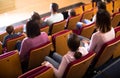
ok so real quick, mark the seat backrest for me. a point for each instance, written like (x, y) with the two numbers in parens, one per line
(39, 72)
(10, 65)
(87, 15)
(1, 49)
(117, 31)
(109, 7)
(78, 68)
(78, 10)
(19, 29)
(116, 5)
(117, 50)
(11, 43)
(59, 26)
(72, 21)
(2, 35)
(87, 30)
(60, 41)
(106, 52)
(45, 29)
(88, 6)
(38, 54)
(116, 19)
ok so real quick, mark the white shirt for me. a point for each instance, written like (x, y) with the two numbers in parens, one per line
(54, 18)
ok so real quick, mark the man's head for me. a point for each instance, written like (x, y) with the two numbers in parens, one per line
(54, 7)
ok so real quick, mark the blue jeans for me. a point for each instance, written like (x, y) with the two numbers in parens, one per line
(55, 60)
(85, 21)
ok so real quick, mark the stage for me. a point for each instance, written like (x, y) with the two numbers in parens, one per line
(24, 8)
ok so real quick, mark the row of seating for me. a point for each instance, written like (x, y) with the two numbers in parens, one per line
(112, 7)
(108, 50)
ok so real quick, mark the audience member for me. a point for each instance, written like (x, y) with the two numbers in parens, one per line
(34, 38)
(11, 34)
(100, 5)
(36, 17)
(59, 63)
(105, 32)
(55, 16)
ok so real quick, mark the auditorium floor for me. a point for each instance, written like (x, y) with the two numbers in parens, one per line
(24, 8)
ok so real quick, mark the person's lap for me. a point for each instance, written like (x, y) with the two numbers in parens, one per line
(55, 60)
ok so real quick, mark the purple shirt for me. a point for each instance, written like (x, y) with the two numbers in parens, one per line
(29, 43)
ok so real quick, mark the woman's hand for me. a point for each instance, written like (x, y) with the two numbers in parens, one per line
(85, 41)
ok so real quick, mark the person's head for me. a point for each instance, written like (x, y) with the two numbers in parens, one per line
(101, 5)
(32, 29)
(73, 43)
(10, 29)
(103, 21)
(36, 17)
(54, 7)
(72, 13)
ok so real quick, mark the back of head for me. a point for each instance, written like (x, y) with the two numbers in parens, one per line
(54, 7)
(35, 16)
(72, 12)
(32, 29)
(10, 29)
(103, 21)
(101, 5)
(73, 44)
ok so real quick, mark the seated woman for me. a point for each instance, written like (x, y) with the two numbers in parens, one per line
(34, 38)
(59, 63)
(100, 5)
(36, 18)
(11, 34)
(105, 32)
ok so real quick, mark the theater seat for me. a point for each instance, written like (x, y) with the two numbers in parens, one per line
(10, 65)
(78, 10)
(2, 35)
(37, 55)
(72, 21)
(109, 7)
(78, 68)
(116, 5)
(56, 27)
(117, 49)
(86, 30)
(45, 29)
(39, 72)
(115, 19)
(88, 6)
(1, 49)
(87, 15)
(19, 29)
(117, 31)
(106, 52)
(60, 41)
(10, 44)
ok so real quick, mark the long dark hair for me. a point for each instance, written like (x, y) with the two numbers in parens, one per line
(73, 44)
(103, 21)
(32, 29)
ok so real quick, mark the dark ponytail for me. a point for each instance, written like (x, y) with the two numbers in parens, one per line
(77, 55)
(73, 44)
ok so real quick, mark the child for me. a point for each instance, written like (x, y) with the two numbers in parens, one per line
(59, 63)
(11, 34)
